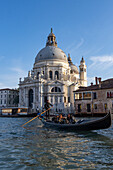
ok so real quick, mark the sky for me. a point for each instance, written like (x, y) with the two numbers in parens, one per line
(82, 28)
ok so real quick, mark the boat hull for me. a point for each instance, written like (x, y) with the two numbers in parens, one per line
(85, 125)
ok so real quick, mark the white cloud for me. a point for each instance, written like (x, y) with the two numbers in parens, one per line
(101, 62)
(92, 51)
(20, 72)
(90, 80)
(79, 44)
(76, 47)
(1, 58)
(1, 85)
(11, 78)
(70, 46)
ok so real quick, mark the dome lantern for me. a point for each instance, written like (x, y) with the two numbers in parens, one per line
(51, 39)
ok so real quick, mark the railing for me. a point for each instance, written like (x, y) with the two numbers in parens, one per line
(83, 99)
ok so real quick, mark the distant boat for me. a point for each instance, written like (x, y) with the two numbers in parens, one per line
(16, 112)
(82, 125)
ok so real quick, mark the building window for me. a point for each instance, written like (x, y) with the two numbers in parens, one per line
(55, 89)
(1, 101)
(94, 95)
(1, 96)
(78, 96)
(38, 75)
(64, 99)
(51, 75)
(109, 94)
(87, 95)
(60, 99)
(81, 69)
(68, 99)
(79, 107)
(4, 101)
(88, 108)
(57, 74)
(71, 71)
(95, 106)
(105, 106)
(51, 39)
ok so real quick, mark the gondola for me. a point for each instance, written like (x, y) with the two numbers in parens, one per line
(82, 125)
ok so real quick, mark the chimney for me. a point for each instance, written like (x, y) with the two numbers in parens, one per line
(99, 82)
(96, 80)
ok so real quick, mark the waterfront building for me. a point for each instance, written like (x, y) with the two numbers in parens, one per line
(8, 97)
(95, 99)
(54, 77)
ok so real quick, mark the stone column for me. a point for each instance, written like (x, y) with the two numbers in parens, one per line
(26, 97)
(41, 92)
(47, 73)
(34, 99)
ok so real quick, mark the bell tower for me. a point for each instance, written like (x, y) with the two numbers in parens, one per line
(51, 39)
(83, 73)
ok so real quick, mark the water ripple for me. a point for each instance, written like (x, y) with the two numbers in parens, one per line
(39, 148)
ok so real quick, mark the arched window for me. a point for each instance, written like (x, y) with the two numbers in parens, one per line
(30, 98)
(38, 75)
(55, 89)
(59, 90)
(51, 75)
(57, 74)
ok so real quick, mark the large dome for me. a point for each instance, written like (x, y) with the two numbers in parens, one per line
(51, 53)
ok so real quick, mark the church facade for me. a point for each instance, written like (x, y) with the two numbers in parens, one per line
(54, 77)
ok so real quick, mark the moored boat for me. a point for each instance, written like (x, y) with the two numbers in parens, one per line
(82, 125)
(16, 112)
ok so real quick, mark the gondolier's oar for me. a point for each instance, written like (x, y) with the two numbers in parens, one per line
(36, 117)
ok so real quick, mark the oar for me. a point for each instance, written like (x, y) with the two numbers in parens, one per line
(36, 116)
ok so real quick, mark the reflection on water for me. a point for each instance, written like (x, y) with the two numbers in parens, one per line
(37, 147)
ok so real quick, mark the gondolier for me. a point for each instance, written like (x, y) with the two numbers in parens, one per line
(47, 106)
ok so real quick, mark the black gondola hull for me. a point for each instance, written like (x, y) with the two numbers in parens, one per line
(85, 125)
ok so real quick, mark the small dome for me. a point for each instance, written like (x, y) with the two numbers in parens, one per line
(51, 53)
(51, 35)
(74, 68)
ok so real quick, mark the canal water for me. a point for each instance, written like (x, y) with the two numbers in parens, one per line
(39, 148)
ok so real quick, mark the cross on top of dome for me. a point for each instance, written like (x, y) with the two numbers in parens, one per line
(51, 39)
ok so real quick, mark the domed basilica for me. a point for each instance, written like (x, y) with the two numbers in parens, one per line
(54, 77)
